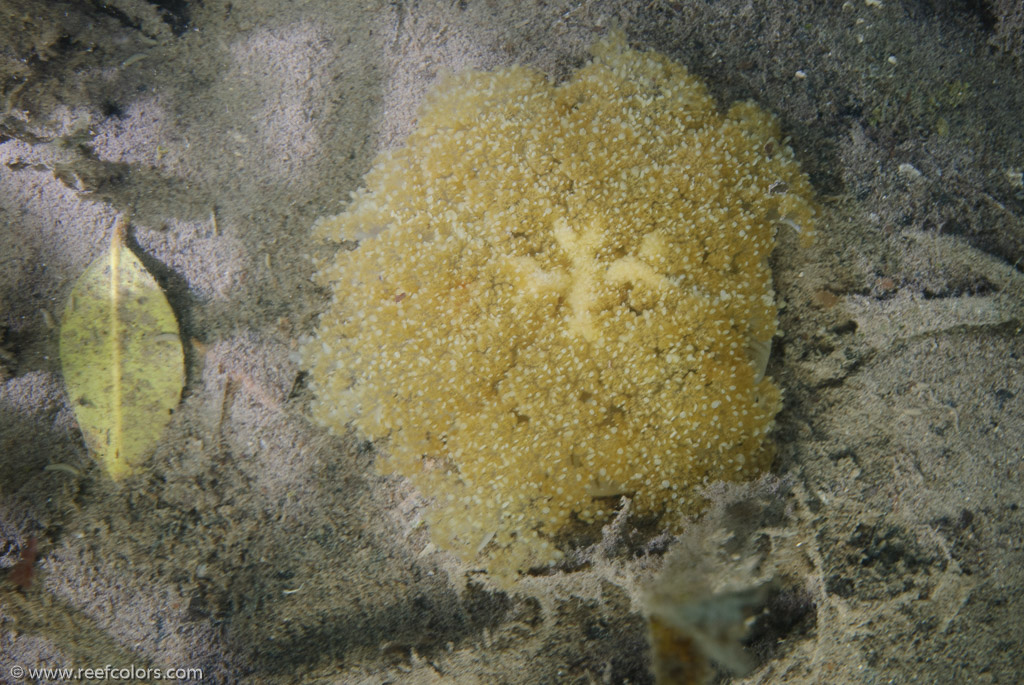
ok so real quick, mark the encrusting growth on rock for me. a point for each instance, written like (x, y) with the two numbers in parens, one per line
(561, 293)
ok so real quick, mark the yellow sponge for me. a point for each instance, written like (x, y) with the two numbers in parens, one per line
(561, 293)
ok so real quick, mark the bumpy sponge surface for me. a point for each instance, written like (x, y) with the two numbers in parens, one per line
(560, 295)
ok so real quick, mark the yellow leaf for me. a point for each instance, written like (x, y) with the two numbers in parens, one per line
(121, 356)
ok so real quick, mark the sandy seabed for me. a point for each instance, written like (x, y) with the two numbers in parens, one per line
(259, 549)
